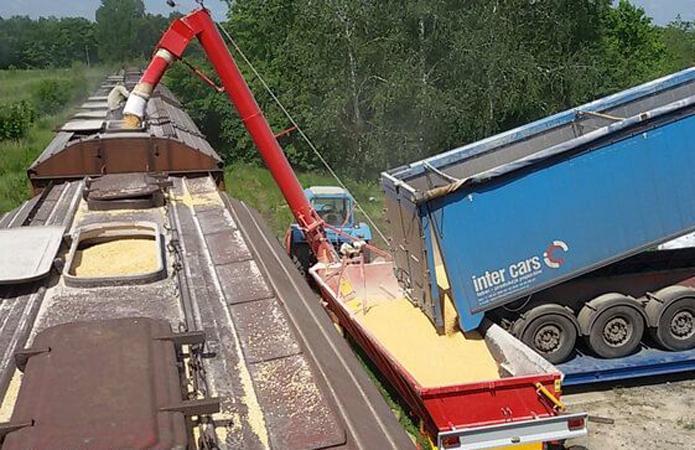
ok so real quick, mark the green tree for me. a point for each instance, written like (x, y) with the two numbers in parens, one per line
(45, 42)
(679, 40)
(381, 83)
(117, 29)
(634, 51)
(123, 33)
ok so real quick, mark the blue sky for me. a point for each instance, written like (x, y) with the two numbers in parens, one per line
(86, 8)
(663, 11)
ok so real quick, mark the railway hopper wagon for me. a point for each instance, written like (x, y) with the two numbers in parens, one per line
(141, 307)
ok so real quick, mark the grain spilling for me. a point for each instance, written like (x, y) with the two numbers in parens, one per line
(433, 359)
(119, 257)
(450, 315)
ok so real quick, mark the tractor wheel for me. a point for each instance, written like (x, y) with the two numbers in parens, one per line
(302, 258)
(367, 254)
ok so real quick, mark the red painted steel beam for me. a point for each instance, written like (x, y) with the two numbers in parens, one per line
(172, 45)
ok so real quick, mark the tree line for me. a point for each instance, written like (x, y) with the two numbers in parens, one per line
(380, 83)
(122, 32)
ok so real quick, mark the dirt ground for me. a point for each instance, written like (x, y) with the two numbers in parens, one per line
(659, 415)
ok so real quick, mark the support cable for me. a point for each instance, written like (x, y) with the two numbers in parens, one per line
(300, 131)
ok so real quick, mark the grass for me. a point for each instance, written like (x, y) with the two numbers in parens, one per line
(686, 424)
(255, 186)
(17, 85)
(17, 155)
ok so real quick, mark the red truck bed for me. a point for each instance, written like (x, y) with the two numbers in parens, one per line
(473, 415)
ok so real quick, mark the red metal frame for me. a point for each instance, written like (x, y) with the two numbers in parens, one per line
(173, 43)
(445, 408)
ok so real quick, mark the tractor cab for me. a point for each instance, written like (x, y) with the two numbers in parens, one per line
(336, 207)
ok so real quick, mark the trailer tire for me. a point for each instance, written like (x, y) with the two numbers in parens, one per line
(673, 313)
(613, 325)
(300, 267)
(549, 330)
(367, 254)
(301, 256)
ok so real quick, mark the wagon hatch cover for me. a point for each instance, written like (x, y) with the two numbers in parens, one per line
(28, 252)
(126, 190)
(104, 384)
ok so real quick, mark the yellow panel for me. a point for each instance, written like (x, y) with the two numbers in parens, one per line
(530, 446)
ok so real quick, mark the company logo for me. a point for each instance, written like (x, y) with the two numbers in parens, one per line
(552, 257)
(521, 273)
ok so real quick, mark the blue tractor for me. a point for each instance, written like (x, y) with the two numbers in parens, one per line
(336, 207)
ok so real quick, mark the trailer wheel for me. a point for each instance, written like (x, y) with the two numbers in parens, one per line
(300, 267)
(614, 326)
(675, 328)
(301, 256)
(549, 331)
(367, 254)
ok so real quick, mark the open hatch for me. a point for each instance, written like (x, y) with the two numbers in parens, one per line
(115, 254)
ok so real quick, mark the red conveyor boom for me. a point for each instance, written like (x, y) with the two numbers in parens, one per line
(172, 45)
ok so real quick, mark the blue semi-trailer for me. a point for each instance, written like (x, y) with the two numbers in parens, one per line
(553, 230)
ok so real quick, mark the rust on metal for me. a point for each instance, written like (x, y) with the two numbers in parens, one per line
(184, 338)
(103, 384)
(125, 191)
(196, 407)
(169, 142)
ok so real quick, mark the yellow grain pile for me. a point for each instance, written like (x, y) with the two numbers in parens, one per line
(199, 199)
(120, 257)
(7, 403)
(432, 359)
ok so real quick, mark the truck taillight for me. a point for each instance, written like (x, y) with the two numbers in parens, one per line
(575, 424)
(451, 442)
